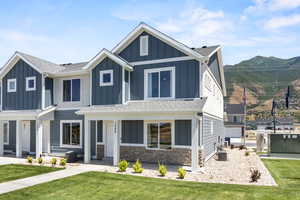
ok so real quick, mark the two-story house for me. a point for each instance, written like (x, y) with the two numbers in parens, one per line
(235, 122)
(149, 98)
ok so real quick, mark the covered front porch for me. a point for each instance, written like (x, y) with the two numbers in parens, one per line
(153, 135)
(25, 133)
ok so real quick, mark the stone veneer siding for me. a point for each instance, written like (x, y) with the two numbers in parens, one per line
(176, 156)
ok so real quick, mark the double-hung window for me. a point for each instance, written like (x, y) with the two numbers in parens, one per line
(30, 83)
(159, 135)
(11, 85)
(71, 90)
(6, 132)
(160, 83)
(71, 133)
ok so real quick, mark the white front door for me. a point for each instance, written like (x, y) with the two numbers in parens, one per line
(46, 136)
(26, 136)
(109, 139)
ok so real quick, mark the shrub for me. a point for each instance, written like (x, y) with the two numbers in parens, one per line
(181, 173)
(40, 160)
(29, 159)
(241, 147)
(247, 153)
(231, 146)
(63, 162)
(53, 161)
(123, 164)
(137, 167)
(162, 169)
(255, 175)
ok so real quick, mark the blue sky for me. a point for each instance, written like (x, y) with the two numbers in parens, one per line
(74, 31)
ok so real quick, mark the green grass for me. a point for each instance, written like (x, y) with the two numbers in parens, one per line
(13, 172)
(97, 185)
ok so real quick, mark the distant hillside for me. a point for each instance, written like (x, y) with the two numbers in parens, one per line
(264, 78)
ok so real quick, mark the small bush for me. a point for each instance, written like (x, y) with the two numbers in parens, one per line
(241, 147)
(40, 160)
(29, 159)
(247, 153)
(123, 164)
(231, 146)
(53, 161)
(137, 167)
(181, 173)
(162, 169)
(63, 162)
(255, 175)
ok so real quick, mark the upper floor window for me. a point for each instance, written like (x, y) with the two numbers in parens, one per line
(71, 90)
(160, 83)
(12, 85)
(30, 83)
(5, 132)
(144, 45)
(106, 78)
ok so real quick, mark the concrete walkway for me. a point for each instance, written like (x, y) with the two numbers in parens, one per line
(34, 180)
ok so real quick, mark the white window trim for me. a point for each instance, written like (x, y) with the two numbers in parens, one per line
(6, 122)
(146, 38)
(111, 72)
(8, 83)
(147, 71)
(61, 134)
(172, 134)
(27, 83)
(62, 90)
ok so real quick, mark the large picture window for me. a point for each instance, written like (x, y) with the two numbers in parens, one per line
(159, 135)
(6, 132)
(160, 83)
(70, 133)
(71, 90)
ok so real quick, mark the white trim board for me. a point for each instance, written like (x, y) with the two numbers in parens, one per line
(147, 62)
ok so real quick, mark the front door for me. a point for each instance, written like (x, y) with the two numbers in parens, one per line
(46, 136)
(109, 139)
(26, 136)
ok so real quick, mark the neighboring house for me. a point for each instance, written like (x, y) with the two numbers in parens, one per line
(150, 98)
(234, 124)
(282, 124)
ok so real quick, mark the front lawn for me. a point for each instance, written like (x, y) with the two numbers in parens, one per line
(97, 185)
(13, 172)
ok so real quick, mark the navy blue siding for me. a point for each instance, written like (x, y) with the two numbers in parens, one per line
(22, 99)
(12, 137)
(183, 130)
(93, 138)
(211, 140)
(213, 64)
(157, 49)
(32, 135)
(186, 81)
(133, 131)
(126, 80)
(107, 95)
(55, 130)
(48, 91)
(100, 131)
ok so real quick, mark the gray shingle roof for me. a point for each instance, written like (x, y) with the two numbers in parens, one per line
(149, 106)
(70, 67)
(234, 109)
(207, 50)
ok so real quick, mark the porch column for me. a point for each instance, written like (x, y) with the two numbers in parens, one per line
(87, 141)
(1, 139)
(18, 138)
(195, 145)
(39, 138)
(117, 133)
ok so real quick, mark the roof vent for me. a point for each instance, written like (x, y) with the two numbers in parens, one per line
(66, 64)
(204, 46)
(193, 48)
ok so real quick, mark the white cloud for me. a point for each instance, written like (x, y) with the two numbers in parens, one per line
(284, 4)
(279, 22)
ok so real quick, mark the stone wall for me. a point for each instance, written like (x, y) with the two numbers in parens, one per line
(100, 152)
(177, 156)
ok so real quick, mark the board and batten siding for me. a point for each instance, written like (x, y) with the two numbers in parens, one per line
(213, 65)
(22, 99)
(55, 130)
(186, 79)
(107, 95)
(183, 131)
(12, 137)
(132, 132)
(157, 49)
(212, 137)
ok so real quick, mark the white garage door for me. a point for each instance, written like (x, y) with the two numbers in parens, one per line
(233, 132)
